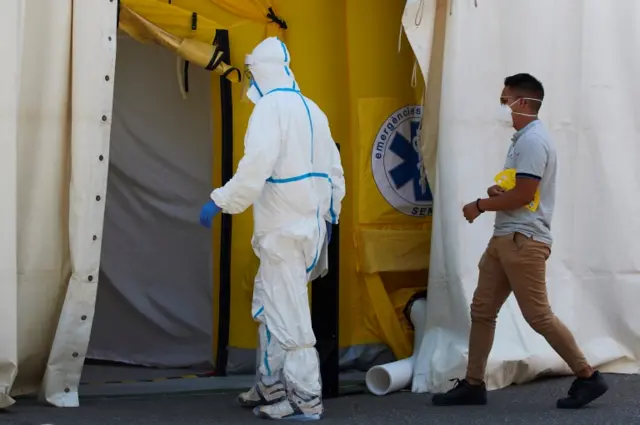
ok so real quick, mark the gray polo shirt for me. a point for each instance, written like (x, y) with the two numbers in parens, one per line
(533, 155)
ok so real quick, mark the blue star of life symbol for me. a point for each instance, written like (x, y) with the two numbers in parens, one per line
(408, 171)
(396, 163)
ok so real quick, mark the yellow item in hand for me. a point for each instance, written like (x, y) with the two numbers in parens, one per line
(506, 179)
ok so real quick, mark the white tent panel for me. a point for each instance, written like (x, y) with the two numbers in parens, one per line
(580, 50)
(154, 304)
(11, 20)
(91, 98)
(55, 105)
(418, 22)
(423, 22)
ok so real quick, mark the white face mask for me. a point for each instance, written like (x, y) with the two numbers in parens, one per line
(504, 114)
(254, 94)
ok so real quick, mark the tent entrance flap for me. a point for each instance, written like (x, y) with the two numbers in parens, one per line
(154, 302)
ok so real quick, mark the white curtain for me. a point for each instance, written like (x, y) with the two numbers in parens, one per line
(582, 51)
(55, 112)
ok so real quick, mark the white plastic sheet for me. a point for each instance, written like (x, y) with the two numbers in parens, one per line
(154, 303)
(581, 51)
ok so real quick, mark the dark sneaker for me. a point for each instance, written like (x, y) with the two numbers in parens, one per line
(462, 394)
(583, 391)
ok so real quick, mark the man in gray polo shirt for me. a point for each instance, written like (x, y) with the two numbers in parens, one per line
(515, 259)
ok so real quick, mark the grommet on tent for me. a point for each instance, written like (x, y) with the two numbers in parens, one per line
(98, 198)
(95, 238)
(74, 354)
(104, 118)
(106, 78)
(66, 390)
(83, 317)
(101, 158)
(90, 278)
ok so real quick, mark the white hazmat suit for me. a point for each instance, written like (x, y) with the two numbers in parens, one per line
(292, 174)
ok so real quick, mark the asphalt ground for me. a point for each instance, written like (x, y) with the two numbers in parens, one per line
(529, 404)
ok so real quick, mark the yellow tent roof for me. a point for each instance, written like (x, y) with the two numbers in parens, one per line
(188, 27)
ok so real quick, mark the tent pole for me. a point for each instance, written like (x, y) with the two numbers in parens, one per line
(325, 317)
(224, 293)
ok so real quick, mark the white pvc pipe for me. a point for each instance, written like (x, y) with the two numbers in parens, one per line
(390, 377)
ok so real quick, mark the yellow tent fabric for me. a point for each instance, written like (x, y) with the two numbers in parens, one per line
(184, 32)
(170, 18)
(345, 57)
(255, 11)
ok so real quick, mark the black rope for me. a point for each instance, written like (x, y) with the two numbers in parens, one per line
(274, 18)
(230, 70)
(185, 76)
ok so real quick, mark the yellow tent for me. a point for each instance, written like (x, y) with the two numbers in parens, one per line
(346, 58)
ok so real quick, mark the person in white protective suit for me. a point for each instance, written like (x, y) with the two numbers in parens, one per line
(292, 174)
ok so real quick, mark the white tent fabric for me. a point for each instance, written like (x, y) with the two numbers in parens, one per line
(52, 132)
(10, 49)
(155, 297)
(423, 23)
(580, 50)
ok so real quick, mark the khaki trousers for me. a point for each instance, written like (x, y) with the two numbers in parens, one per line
(516, 263)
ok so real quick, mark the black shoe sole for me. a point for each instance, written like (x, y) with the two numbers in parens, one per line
(457, 403)
(253, 404)
(595, 396)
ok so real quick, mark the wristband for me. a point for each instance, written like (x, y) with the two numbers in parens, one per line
(480, 210)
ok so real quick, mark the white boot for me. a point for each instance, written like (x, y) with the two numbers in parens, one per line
(262, 394)
(294, 407)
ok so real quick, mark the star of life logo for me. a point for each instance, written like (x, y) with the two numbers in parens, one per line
(397, 166)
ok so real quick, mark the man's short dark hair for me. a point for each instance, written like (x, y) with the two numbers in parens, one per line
(526, 85)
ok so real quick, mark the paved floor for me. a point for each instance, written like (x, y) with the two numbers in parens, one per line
(531, 404)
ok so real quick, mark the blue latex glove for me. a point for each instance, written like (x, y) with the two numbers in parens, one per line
(329, 229)
(209, 210)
